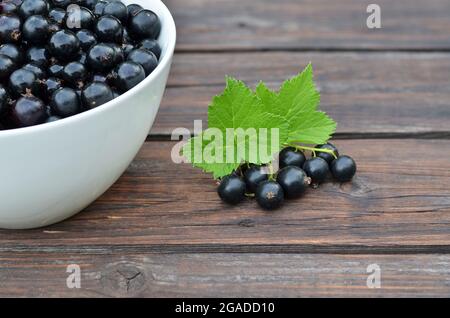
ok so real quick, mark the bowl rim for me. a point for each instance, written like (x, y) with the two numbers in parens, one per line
(163, 64)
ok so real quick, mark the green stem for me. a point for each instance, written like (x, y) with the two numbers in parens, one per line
(314, 150)
(271, 174)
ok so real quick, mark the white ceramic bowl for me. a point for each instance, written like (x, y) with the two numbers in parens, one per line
(52, 171)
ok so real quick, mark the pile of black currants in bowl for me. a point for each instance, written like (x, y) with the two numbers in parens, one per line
(296, 174)
(59, 58)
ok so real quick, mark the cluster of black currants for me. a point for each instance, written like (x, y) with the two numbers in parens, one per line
(291, 181)
(59, 58)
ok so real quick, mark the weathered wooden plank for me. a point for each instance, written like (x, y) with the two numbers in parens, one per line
(309, 24)
(224, 275)
(399, 201)
(367, 93)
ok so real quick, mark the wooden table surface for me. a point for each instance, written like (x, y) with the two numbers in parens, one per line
(161, 229)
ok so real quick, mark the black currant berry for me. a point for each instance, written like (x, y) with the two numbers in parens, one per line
(65, 102)
(253, 176)
(33, 7)
(327, 156)
(79, 94)
(99, 7)
(36, 30)
(10, 29)
(74, 74)
(294, 181)
(101, 57)
(145, 58)
(128, 75)
(144, 25)
(100, 78)
(109, 29)
(8, 8)
(22, 82)
(269, 195)
(317, 169)
(87, 39)
(38, 55)
(291, 157)
(16, 2)
(53, 28)
(115, 93)
(28, 111)
(133, 9)
(4, 98)
(13, 52)
(61, 3)
(231, 189)
(51, 85)
(7, 66)
(80, 18)
(36, 69)
(56, 70)
(118, 10)
(151, 45)
(119, 56)
(343, 168)
(52, 119)
(57, 16)
(127, 48)
(82, 58)
(64, 45)
(90, 4)
(126, 39)
(96, 94)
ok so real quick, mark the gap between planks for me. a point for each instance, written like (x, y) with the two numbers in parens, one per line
(325, 50)
(438, 135)
(274, 249)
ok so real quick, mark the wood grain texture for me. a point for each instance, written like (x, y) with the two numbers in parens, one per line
(371, 93)
(161, 230)
(398, 202)
(309, 24)
(224, 275)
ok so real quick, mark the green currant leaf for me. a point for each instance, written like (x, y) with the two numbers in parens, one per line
(251, 116)
(297, 102)
(251, 138)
